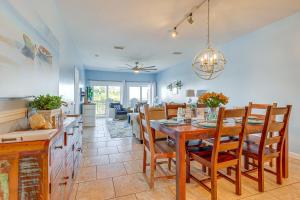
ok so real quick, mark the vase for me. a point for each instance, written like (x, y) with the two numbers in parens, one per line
(212, 114)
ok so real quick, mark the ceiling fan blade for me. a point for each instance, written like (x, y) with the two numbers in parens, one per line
(148, 69)
(130, 65)
(150, 66)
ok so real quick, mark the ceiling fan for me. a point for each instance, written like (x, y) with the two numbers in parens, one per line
(140, 68)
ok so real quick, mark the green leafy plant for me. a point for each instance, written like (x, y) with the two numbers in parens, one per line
(46, 102)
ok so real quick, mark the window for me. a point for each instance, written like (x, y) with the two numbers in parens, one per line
(141, 93)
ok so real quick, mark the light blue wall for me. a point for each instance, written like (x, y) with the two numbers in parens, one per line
(96, 75)
(263, 66)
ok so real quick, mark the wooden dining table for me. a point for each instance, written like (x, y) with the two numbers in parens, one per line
(182, 133)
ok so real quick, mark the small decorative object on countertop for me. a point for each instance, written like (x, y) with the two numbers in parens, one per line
(49, 107)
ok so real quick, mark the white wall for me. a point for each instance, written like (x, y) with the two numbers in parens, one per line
(263, 66)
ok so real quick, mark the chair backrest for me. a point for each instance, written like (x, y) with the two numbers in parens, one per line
(276, 122)
(145, 128)
(113, 105)
(201, 105)
(259, 110)
(235, 132)
(171, 109)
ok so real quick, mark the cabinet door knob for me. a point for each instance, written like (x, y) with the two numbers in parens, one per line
(70, 133)
(58, 147)
(79, 149)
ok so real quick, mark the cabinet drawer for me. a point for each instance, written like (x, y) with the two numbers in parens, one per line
(57, 155)
(58, 186)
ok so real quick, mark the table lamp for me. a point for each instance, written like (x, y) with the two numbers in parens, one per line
(190, 94)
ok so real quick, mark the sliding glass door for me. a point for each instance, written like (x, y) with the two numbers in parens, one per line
(105, 94)
(139, 92)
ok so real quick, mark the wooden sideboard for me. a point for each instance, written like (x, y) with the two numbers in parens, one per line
(44, 169)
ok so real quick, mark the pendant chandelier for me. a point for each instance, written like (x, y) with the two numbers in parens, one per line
(209, 63)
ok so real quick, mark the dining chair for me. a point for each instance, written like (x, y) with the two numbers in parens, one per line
(158, 149)
(171, 109)
(276, 122)
(258, 111)
(223, 153)
(171, 112)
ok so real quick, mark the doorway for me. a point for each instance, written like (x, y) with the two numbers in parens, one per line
(105, 94)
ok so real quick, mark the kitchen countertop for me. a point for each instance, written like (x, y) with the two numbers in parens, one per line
(33, 135)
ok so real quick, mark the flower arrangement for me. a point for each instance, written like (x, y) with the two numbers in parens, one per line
(213, 99)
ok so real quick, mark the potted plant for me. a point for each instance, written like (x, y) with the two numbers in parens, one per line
(213, 100)
(48, 106)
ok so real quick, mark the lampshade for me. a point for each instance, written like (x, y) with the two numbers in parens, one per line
(190, 93)
(200, 92)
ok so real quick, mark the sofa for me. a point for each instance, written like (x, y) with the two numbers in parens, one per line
(116, 111)
(155, 114)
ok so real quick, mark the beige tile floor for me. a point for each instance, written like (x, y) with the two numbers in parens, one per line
(112, 169)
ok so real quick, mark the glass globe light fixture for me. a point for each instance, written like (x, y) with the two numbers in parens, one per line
(209, 63)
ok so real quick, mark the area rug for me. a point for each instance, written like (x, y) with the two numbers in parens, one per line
(118, 128)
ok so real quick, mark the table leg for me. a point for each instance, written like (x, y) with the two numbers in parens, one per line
(285, 157)
(180, 167)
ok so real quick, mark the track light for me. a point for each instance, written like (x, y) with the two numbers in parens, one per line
(190, 18)
(174, 32)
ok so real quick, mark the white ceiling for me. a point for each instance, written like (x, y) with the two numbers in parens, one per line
(142, 26)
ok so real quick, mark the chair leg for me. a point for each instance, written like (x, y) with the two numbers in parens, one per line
(188, 169)
(246, 162)
(228, 171)
(279, 170)
(261, 176)
(214, 188)
(238, 174)
(169, 164)
(152, 171)
(144, 161)
(209, 172)
(204, 169)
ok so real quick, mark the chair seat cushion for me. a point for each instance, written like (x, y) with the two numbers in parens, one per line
(121, 112)
(223, 156)
(254, 139)
(252, 150)
(199, 148)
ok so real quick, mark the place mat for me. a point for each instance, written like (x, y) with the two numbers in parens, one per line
(251, 121)
(170, 122)
(205, 124)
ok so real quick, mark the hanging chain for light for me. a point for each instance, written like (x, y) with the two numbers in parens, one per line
(209, 63)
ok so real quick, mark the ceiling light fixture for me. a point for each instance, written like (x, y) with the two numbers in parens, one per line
(187, 17)
(190, 18)
(119, 47)
(209, 63)
(136, 71)
(177, 53)
(174, 32)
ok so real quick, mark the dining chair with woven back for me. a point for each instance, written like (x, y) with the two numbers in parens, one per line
(158, 149)
(275, 122)
(224, 153)
(258, 111)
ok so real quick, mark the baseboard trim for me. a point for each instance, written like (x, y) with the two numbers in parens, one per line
(294, 155)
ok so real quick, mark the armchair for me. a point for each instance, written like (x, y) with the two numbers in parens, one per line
(116, 111)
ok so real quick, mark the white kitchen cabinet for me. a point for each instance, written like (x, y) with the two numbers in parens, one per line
(89, 114)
